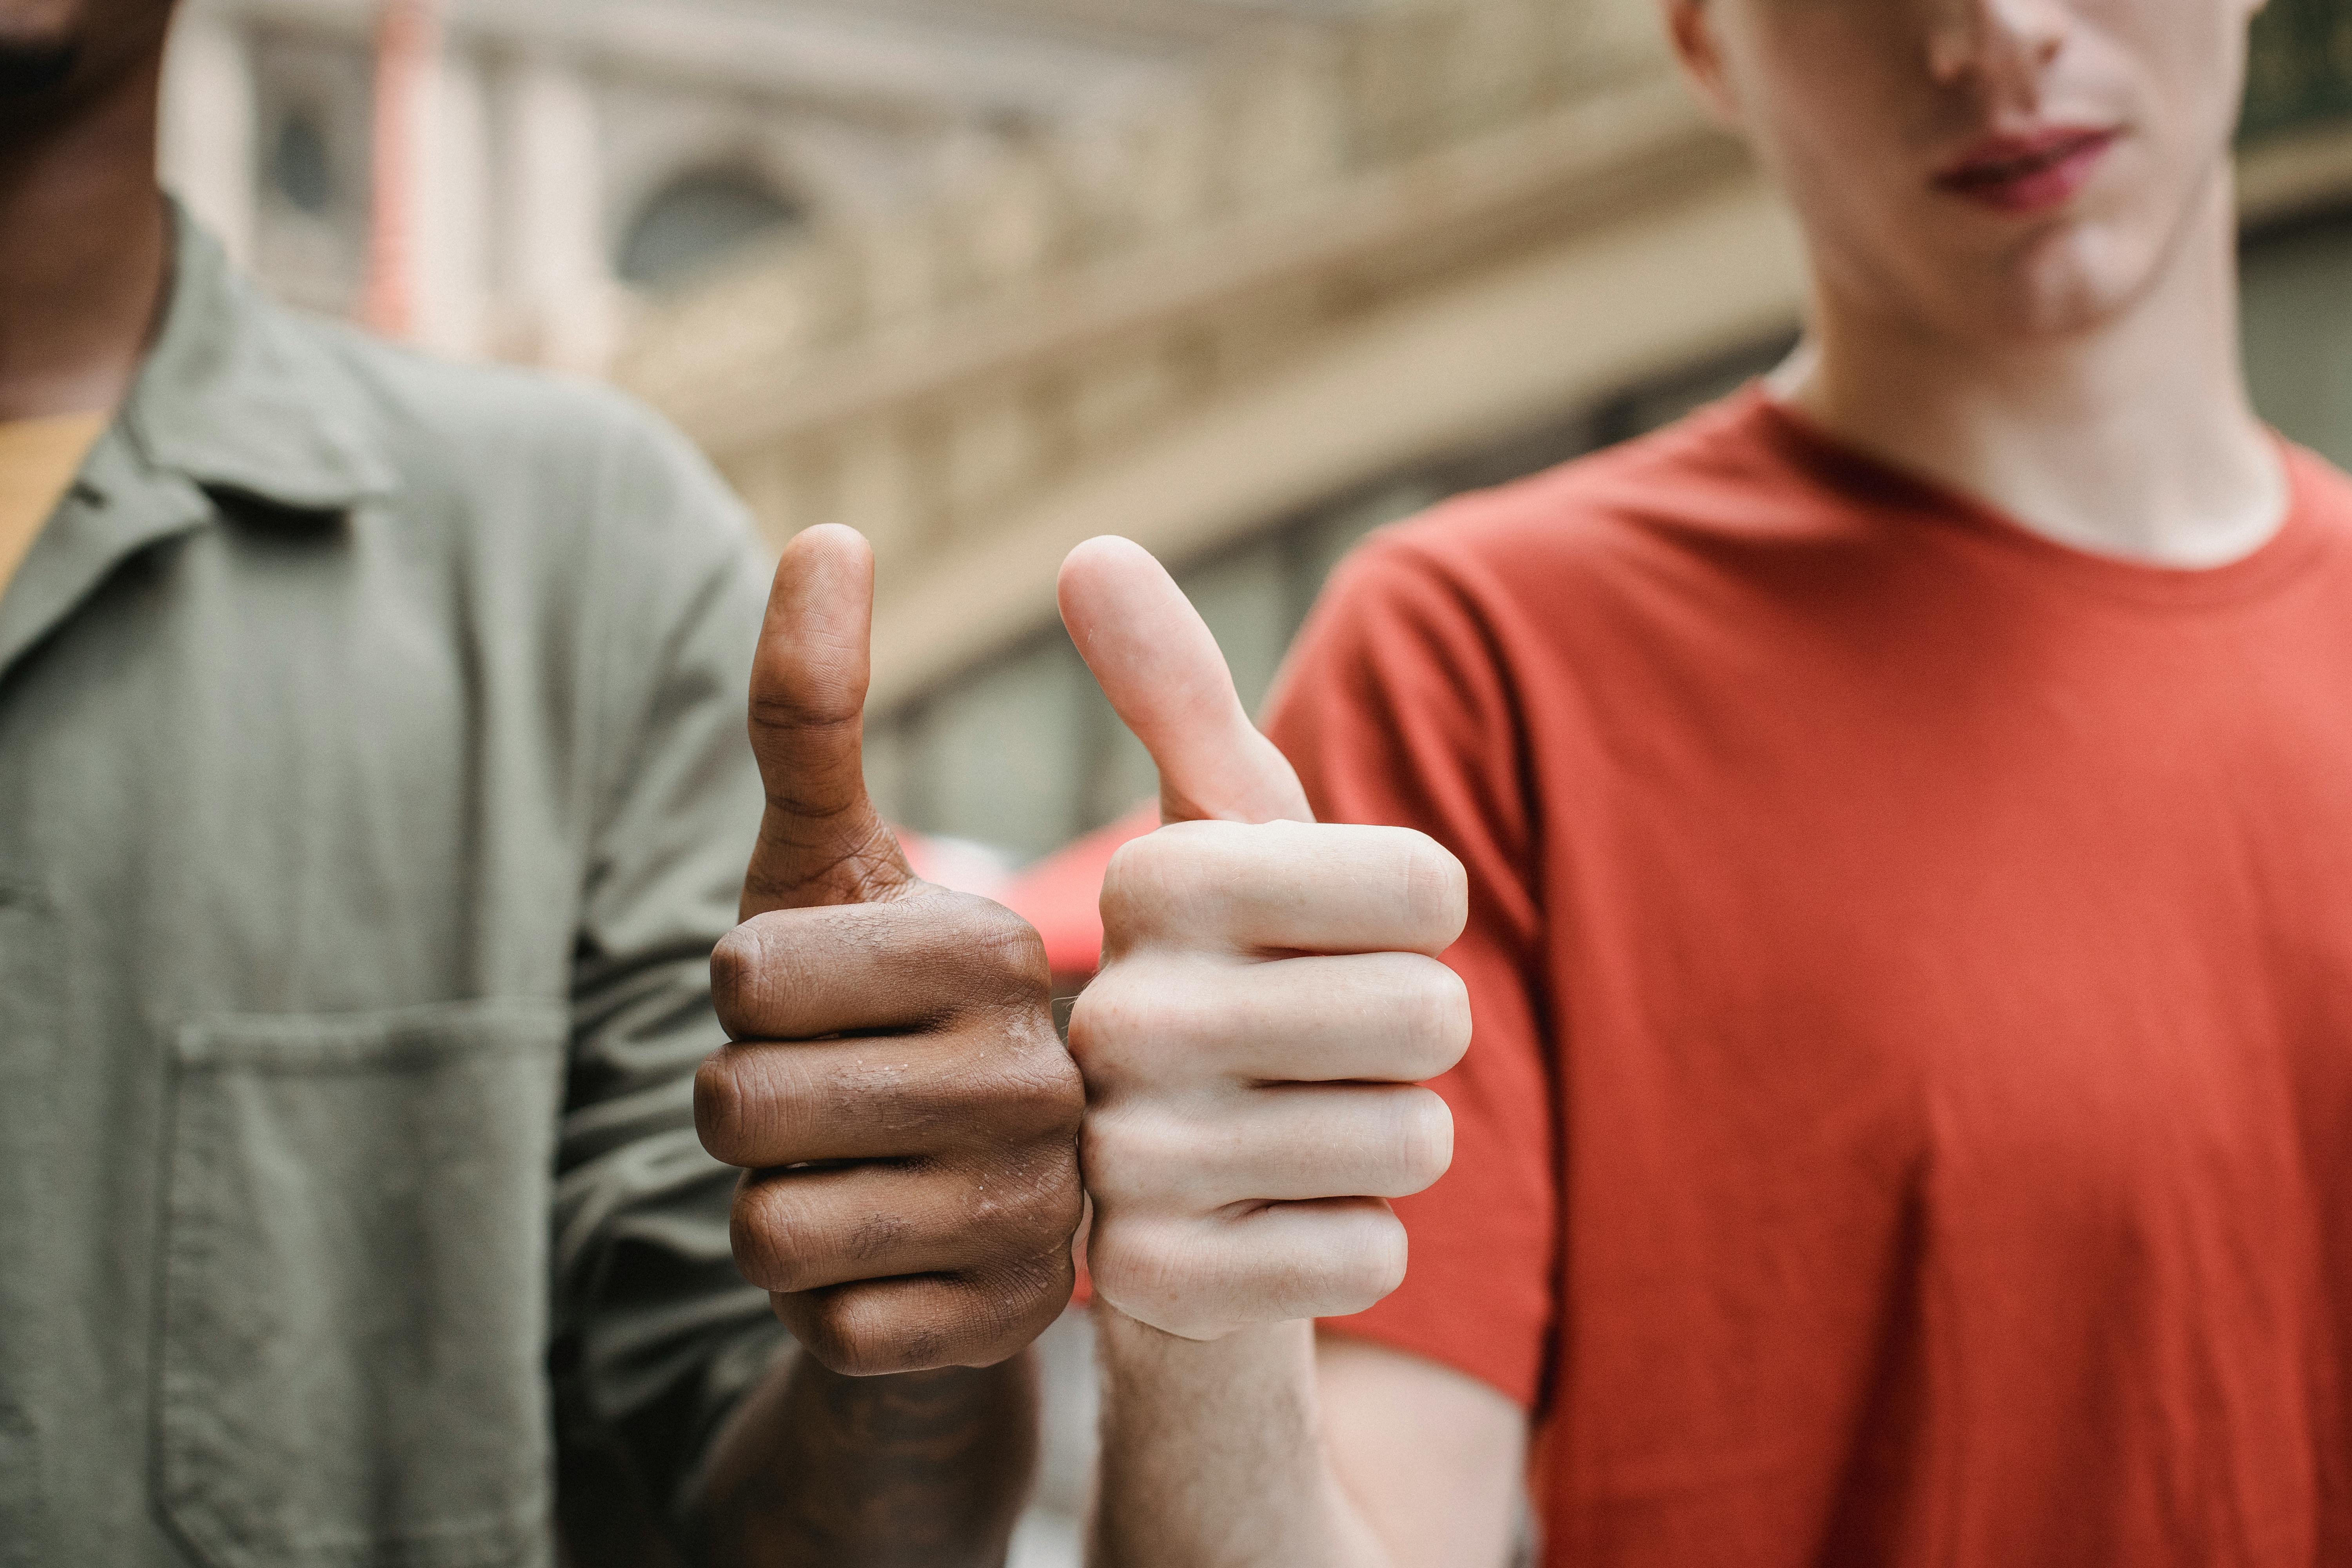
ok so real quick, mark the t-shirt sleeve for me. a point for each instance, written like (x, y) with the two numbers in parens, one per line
(1397, 708)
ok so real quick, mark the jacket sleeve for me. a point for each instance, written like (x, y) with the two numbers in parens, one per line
(654, 1333)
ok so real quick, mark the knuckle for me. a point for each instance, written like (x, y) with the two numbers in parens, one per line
(1011, 1306)
(878, 1327)
(1062, 1099)
(782, 705)
(1026, 1205)
(1027, 1095)
(735, 968)
(776, 1241)
(1110, 1018)
(1436, 888)
(1359, 1261)
(981, 936)
(1436, 1009)
(1138, 1155)
(872, 1237)
(718, 1107)
(1425, 1137)
(1378, 1264)
(1013, 946)
(1045, 1100)
(1144, 1023)
(1142, 1270)
(1134, 889)
(1171, 879)
(866, 1333)
(757, 1105)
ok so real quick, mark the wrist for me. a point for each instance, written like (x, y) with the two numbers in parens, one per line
(1260, 1343)
(1263, 1375)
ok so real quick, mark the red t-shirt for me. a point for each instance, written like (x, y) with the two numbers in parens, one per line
(1910, 1114)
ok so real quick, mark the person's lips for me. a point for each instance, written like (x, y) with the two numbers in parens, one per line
(2027, 173)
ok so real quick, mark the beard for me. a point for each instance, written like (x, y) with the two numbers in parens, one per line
(29, 67)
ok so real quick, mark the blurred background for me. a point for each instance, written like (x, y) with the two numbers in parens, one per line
(1242, 280)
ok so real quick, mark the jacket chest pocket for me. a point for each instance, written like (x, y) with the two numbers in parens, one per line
(355, 1287)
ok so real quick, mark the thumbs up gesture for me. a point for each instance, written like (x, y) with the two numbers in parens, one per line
(904, 1112)
(1270, 993)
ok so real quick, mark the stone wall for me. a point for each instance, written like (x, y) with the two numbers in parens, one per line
(927, 379)
(538, 134)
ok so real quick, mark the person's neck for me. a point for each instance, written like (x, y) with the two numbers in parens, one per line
(85, 246)
(2132, 438)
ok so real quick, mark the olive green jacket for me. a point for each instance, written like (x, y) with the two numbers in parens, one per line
(372, 787)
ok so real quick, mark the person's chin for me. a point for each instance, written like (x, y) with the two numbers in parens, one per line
(2073, 278)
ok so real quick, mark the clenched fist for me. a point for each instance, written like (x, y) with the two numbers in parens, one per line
(904, 1115)
(1270, 994)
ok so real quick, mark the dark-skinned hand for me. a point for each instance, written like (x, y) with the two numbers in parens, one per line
(904, 1115)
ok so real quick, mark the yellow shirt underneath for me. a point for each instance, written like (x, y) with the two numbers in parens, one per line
(39, 460)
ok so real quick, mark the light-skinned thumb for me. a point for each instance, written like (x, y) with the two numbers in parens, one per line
(1158, 663)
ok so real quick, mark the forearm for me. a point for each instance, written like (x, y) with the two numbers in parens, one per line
(915, 1470)
(1212, 1454)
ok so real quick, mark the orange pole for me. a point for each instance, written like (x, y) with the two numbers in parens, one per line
(408, 33)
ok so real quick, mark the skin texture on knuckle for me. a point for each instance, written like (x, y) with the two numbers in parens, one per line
(920, 1323)
(1138, 1158)
(772, 1237)
(1020, 1096)
(1354, 1259)
(718, 1107)
(766, 1099)
(1437, 1006)
(995, 952)
(1436, 891)
(1059, 1097)
(1149, 1025)
(1177, 887)
(1011, 1085)
(1120, 1028)
(736, 964)
(1378, 1268)
(1024, 1204)
(1015, 1300)
(856, 1332)
(1136, 891)
(1145, 1269)
(784, 709)
(1016, 946)
(1424, 1140)
(1202, 1279)
(764, 972)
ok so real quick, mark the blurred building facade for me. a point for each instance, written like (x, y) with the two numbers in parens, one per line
(1360, 258)
(1241, 278)
(549, 163)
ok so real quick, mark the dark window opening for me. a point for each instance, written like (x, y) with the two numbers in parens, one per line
(696, 220)
(299, 165)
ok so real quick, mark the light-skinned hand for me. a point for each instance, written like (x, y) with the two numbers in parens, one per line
(1270, 994)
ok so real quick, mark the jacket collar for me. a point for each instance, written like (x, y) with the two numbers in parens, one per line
(237, 396)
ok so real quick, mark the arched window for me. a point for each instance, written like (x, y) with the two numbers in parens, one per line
(697, 218)
(300, 170)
